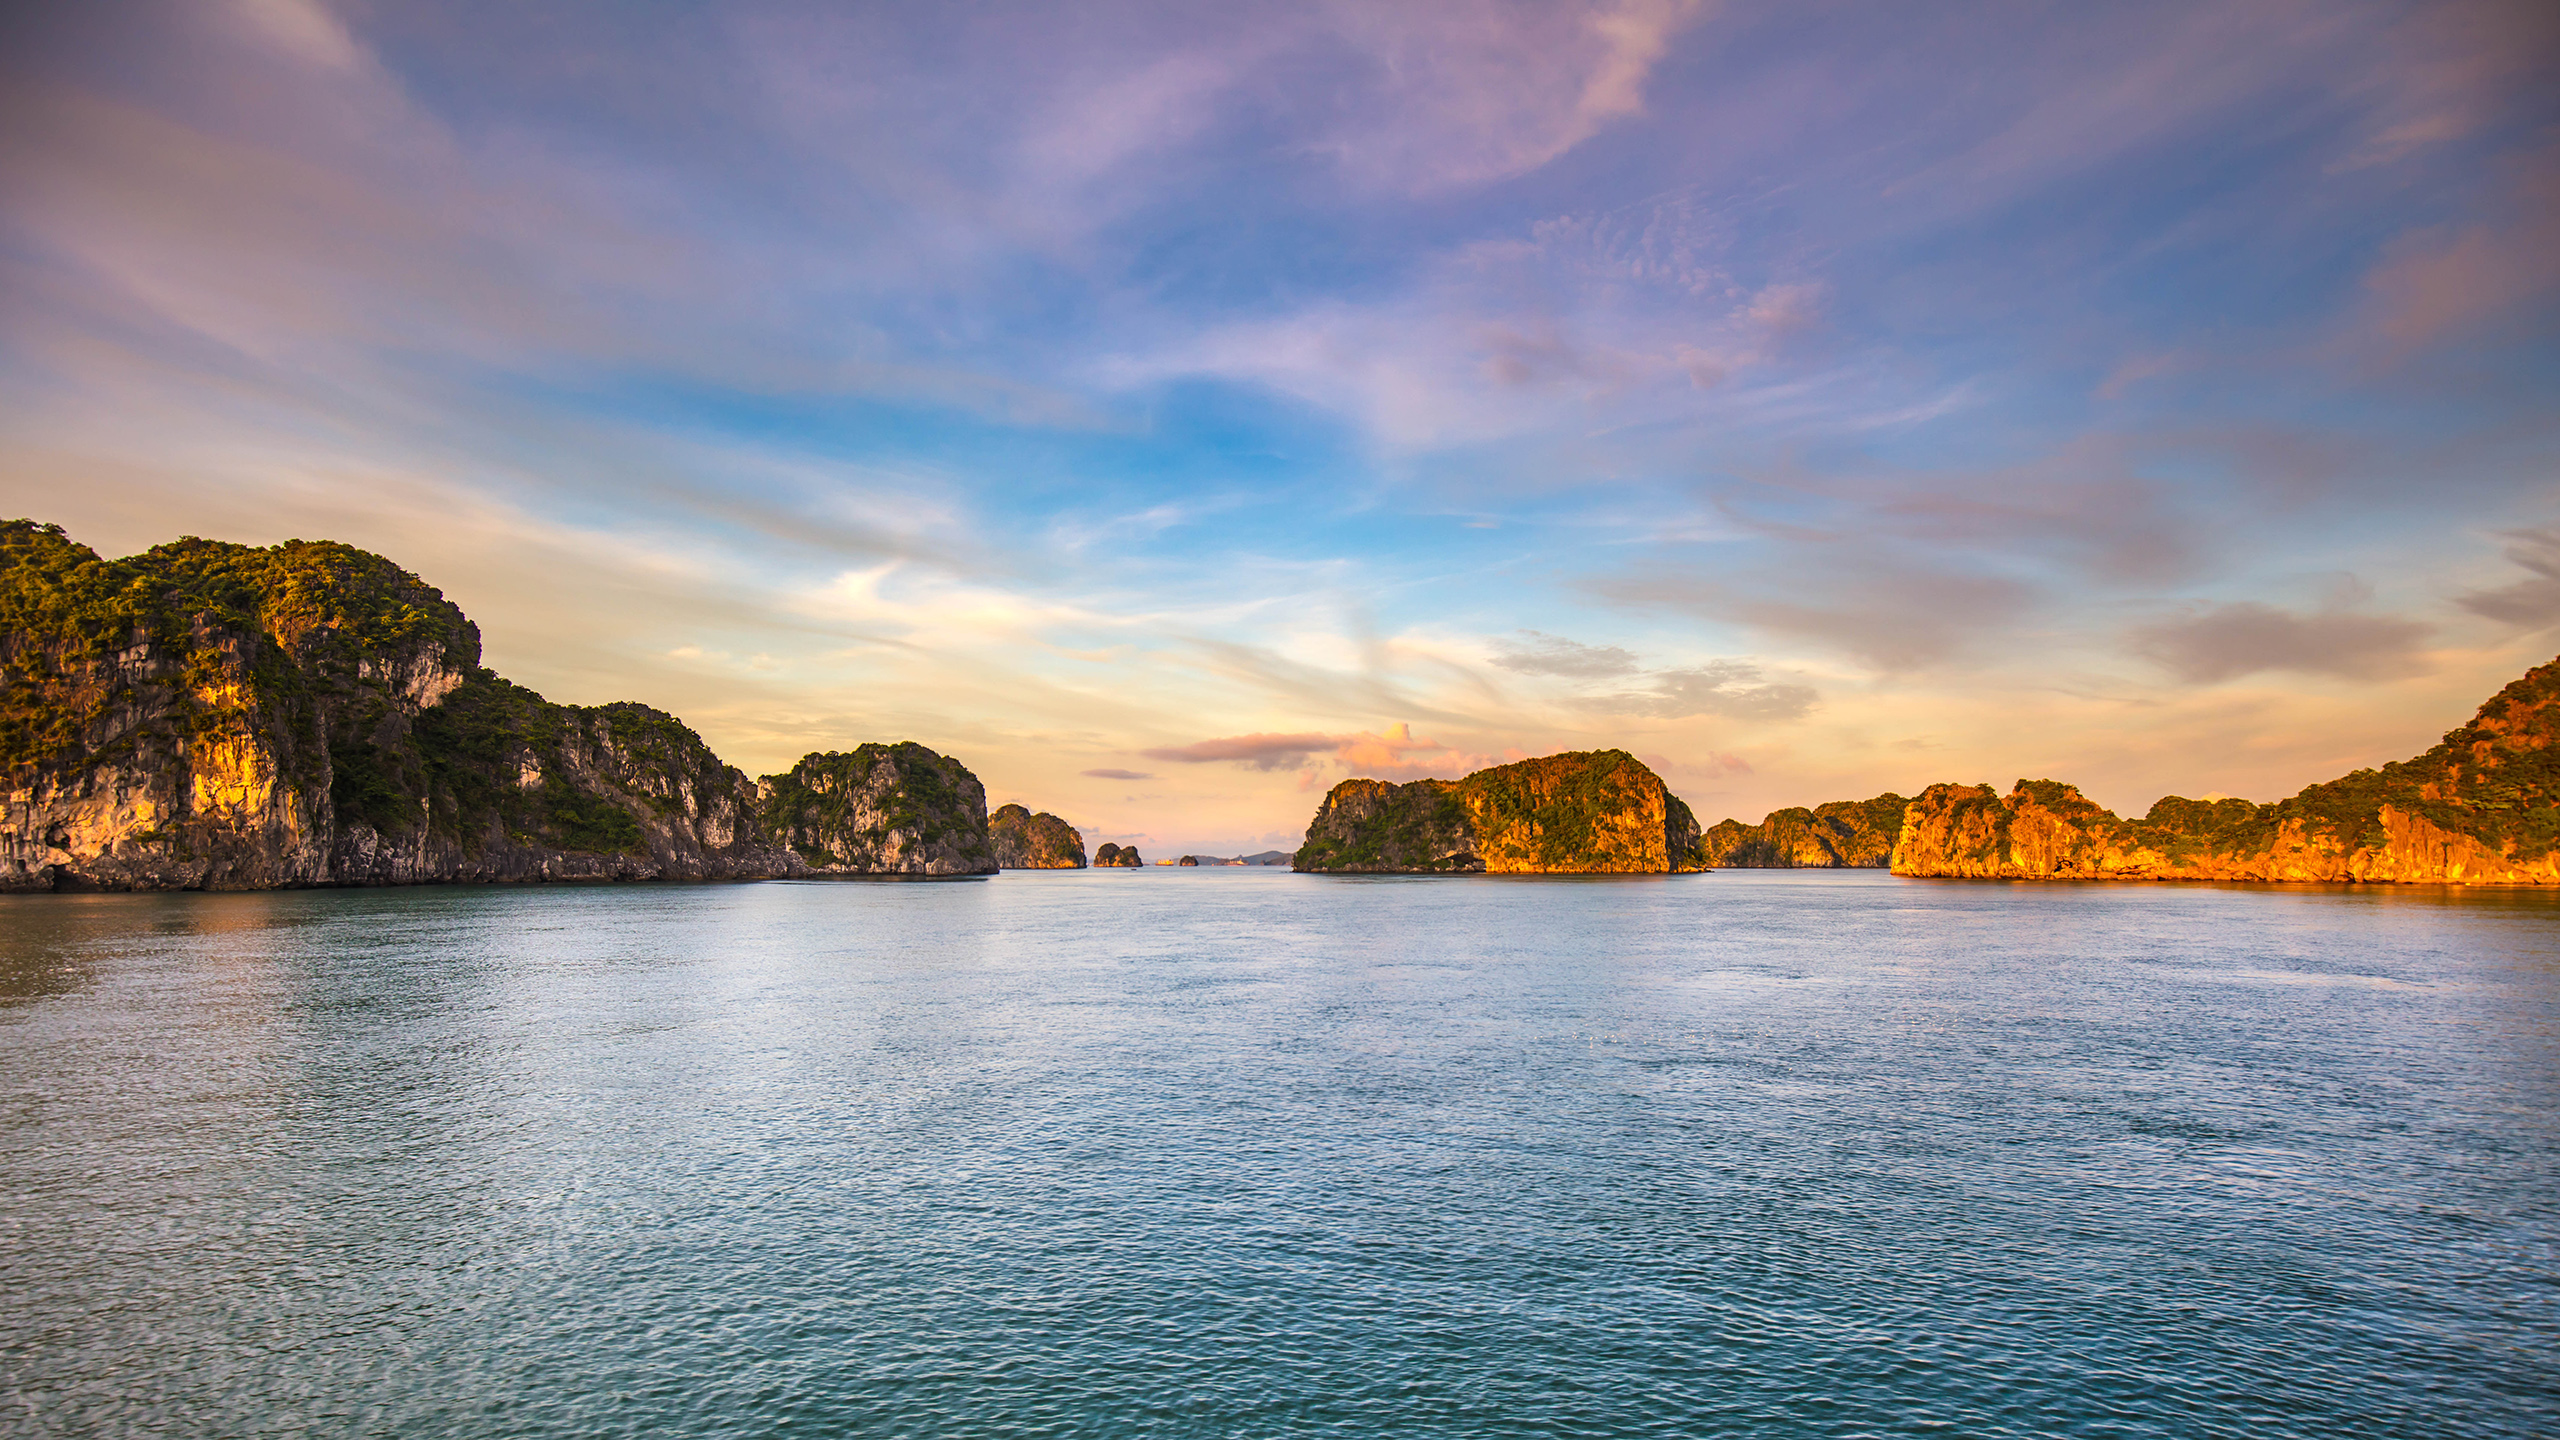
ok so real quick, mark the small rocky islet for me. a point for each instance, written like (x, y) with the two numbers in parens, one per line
(217, 716)
(1025, 841)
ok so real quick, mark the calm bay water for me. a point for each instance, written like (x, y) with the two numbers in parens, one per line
(1244, 1153)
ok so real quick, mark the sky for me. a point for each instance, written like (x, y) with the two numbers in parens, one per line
(1172, 410)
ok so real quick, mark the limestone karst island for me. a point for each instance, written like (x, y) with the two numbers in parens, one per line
(212, 716)
(219, 716)
(1447, 719)
(2480, 808)
(1596, 812)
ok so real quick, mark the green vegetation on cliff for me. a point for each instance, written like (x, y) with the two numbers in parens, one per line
(2482, 806)
(499, 760)
(321, 599)
(207, 714)
(1373, 826)
(2495, 780)
(256, 636)
(881, 809)
(1842, 834)
(1024, 841)
(1583, 812)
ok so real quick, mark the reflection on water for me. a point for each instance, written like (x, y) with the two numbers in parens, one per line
(50, 944)
(32, 971)
(1222, 1152)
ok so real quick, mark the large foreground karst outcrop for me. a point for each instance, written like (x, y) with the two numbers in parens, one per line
(1024, 841)
(217, 716)
(1589, 812)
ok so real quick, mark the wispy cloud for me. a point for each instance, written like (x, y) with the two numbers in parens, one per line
(1540, 654)
(2453, 67)
(1732, 688)
(2223, 642)
(1894, 615)
(1394, 752)
(2444, 280)
(1724, 687)
(1255, 752)
(1488, 89)
(2532, 603)
(304, 27)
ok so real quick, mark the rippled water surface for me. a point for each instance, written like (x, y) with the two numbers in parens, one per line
(1244, 1153)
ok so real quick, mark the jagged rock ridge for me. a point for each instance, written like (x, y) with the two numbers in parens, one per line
(220, 716)
(1024, 841)
(1854, 834)
(1582, 812)
(2482, 807)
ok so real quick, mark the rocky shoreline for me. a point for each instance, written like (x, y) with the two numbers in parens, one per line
(2480, 808)
(212, 716)
(207, 716)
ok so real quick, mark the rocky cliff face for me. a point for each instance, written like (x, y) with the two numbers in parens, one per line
(2483, 807)
(1376, 827)
(1585, 812)
(881, 810)
(1842, 834)
(1120, 857)
(1024, 841)
(512, 787)
(212, 716)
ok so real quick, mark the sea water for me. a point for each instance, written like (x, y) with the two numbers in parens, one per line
(1244, 1153)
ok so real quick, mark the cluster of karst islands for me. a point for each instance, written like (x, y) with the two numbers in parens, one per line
(218, 716)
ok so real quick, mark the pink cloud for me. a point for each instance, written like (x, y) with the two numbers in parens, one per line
(304, 28)
(1255, 752)
(1485, 89)
(2137, 369)
(1782, 310)
(1386, 751)
(2210, 644)
(2440, 283)
(2451, 67)
(1393, 753)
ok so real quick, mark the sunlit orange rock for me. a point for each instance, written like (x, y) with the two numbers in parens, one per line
(2481, 808)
